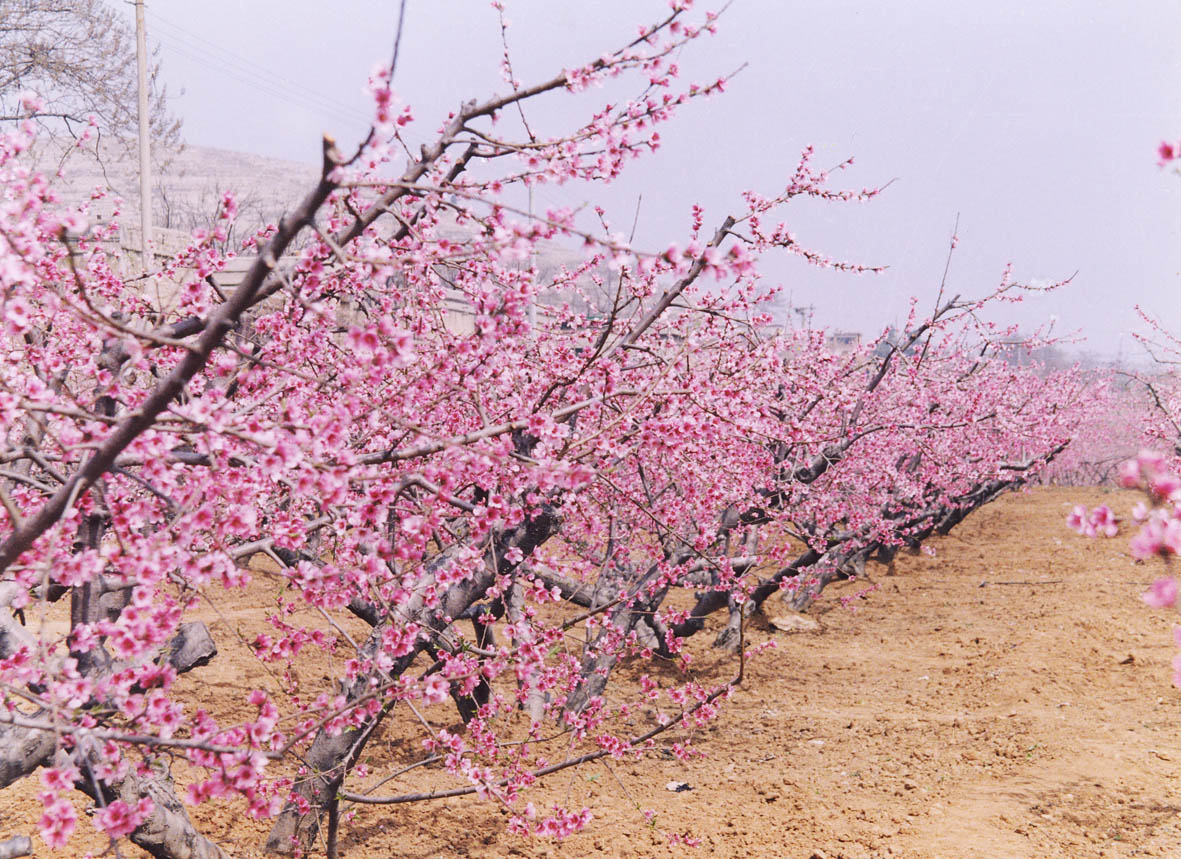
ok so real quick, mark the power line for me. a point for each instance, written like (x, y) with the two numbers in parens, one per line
(215, 58)
(232, 59)
(338, 112)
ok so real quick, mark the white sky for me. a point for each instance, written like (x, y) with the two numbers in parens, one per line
(1036, 122)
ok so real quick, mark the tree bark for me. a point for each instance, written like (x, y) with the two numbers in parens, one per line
(23, 751)
(18, 845)
(167, 833)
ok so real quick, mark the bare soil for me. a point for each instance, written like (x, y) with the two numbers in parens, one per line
(1009, 696)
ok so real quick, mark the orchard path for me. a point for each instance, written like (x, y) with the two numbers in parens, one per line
(938, 719)
(1009, 696)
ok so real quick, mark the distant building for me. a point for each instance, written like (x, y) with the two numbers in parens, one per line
(842, 342)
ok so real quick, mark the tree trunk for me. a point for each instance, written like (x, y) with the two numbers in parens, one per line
(167, 833)
(18, 845)
(331, 757)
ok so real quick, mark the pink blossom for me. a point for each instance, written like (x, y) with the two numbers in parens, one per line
(1171, 539)
(31, 102)
(229, 206)
(435, 689)
(403, 347)
(73, 223)
(1162, 593)
(1165, 485)
(57, 822)
(83, 638)
(1150, 461)
(17, 315)
(1102, 521)
(119, 819)
(57, 779)
(1148, 541)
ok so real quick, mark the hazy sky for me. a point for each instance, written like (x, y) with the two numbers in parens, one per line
(1035, 122)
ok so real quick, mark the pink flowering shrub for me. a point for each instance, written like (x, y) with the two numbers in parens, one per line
(501, 471)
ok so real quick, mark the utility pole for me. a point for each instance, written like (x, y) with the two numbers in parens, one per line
(145, 152)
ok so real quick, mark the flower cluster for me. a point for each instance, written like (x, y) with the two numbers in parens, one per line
(1094, 523)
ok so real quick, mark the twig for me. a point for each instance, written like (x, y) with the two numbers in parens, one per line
(1047, 582)
(553, 768)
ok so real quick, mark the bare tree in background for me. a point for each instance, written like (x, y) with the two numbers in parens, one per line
(79, 56)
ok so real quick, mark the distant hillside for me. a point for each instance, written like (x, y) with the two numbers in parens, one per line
(187, 183)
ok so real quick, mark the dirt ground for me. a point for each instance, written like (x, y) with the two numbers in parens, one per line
(1009, 696)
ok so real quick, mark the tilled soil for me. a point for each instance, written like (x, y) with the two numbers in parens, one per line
(1009, 696)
